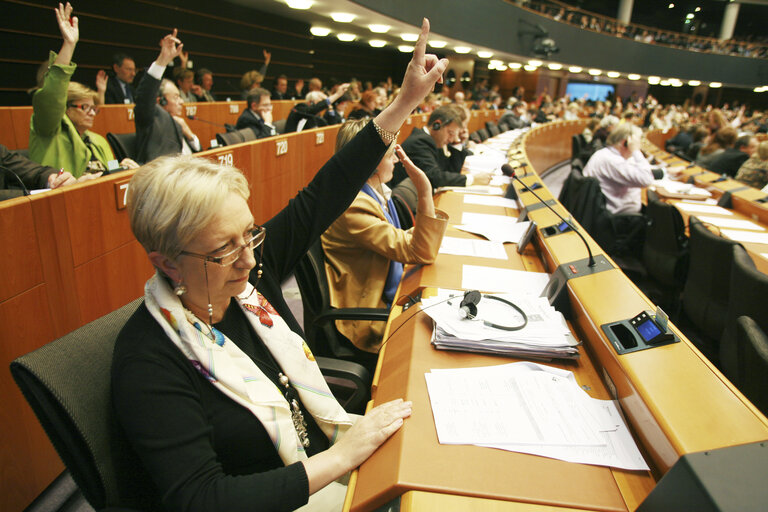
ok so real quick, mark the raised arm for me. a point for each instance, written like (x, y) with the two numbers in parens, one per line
(69, 27)
(146, 93)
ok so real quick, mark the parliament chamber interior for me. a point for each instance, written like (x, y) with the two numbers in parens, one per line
(657, 286)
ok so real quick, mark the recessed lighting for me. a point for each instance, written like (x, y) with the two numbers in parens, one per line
(503, 67)
(664, 83)
(409, 37)
(671, 6)
(515, 65)
(438, 44)
(574, 69)
(595, 72)
(495, 63)
(529, 67)
(613, 74)
(343, 17)
(697, 9)
(633, 76)
(694, 83)
(760, 89)
(653, 80)
(346, 37)
(676, 83)
(535, 63)
(715, 85)
(405, 48)
(319, 31)
(379, 29)
(299, 4)
(377, 43)
(485, 55)
(554, 66)
(462, 49)
(689, 16)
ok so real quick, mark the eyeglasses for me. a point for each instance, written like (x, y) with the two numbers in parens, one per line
(255, 239)
(88, 109)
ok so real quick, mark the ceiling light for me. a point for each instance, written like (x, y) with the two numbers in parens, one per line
(377, 43)
(613, 74)
(676, 83)
(671, 6)
(462, 49)
(664, 83)
(299, 4)
(346, 37)
(689, 16)
(595, 72)
(697, 9)
(653, 80)
(405, 48)
(694, 83)
(529, 67)
(438, 44)
(379, 29)
(503, 67)
(494, 63)
(554, 66)
(319, 31)
(515, 65)
(343, 17)
(574, 69)
(715, 85)
(535, 63)
(409, 37)
(760, 89)
(633, 76)
(485, 55)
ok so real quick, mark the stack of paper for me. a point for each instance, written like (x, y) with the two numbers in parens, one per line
(545, 336)
(496, 228)
(530, 408)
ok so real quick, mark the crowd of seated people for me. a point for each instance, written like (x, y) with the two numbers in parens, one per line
(755, 46)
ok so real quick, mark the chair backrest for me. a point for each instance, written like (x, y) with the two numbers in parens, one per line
(123, 145)
(67, 384)
(475, 137)
(248, 134)
(404, 213)
(406, 193)
(280, 126)
(503, 127)
(752, 354)
(235, 137)
(483, 134)
(576, 143)
(492, 128)
(665, 251)
(323, 340)
(577, 165)
(584, 199)
(707, 287)
(748, 296)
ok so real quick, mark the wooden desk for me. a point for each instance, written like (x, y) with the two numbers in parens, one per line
(674, 400)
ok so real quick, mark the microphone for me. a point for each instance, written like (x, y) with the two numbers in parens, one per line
(506, 168)
(195, 118)
(24, 189)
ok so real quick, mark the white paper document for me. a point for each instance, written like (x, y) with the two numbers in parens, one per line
(492, 190)
(731, 223)
(471, 247)
(490, 201)
(530, 408)
(702, 208)
(489, 279)
(497, 228)
(746, 236)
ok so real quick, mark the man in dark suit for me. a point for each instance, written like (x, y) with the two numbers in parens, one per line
(280, 91)
(515, 118)
(31, 174)
(258, 115)
(428, 148)
(119, 87)
(305, 116)
(729, 161)
(160, 127)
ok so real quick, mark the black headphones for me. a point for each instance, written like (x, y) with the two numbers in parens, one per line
(468, 310)
(161, 100)
(436, 125)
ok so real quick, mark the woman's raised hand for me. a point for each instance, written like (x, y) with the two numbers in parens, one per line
(68, 25)
(423, 72)
(419, 179)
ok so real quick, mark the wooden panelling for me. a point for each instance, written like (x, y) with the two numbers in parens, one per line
(17, 232)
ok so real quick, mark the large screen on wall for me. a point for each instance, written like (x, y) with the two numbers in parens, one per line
(592, 91)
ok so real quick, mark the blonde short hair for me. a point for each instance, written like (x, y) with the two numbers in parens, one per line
(250, 79)
(77, 92)
(171, 200)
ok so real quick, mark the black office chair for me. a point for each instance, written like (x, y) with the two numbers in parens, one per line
(707, 287)
(665, 251)
(475, 137)
(577, 142)
(319, 316)
(235, 137)
(492, 128)
(483, 134)
(503, 127)
(577, 165)
(123, 145)
(749, 296)
(279, 126)
(405, 195)
(752, 356)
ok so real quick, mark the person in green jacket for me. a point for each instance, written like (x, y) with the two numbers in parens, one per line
(63, 113)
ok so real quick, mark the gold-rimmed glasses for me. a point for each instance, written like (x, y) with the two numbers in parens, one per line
(255, 239)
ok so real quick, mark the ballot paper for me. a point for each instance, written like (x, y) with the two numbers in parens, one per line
(491, 190)
(745, 236)
(708, 201)
(702, 208)
(677, 187)
(496, 228)
(490, 201)
(472, 247)
(731, 223)
(529, 408)
(489, 279)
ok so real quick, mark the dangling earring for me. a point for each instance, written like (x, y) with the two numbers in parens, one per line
(180, 289)
(260, 272)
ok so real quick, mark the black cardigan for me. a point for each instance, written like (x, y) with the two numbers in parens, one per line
(202, 450)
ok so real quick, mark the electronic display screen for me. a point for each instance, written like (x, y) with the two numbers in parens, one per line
(562, 227)
(590, 91)
(648, 330)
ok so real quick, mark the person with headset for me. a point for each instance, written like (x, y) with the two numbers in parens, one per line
(428, 149)
(160, 126)
(365, 248)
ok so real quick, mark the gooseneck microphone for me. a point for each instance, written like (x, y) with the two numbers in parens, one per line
(195, 118)
(508, 170)
(24, 189)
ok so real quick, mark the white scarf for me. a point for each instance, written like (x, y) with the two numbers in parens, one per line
(226, 366)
